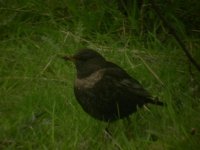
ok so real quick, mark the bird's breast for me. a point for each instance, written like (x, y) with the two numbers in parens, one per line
(89, 81)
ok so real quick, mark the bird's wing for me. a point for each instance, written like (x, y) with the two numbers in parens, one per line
(134, 86)
(122, 80)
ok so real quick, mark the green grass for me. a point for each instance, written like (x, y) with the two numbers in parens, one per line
(38, 109)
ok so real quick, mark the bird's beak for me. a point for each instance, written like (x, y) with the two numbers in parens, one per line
(68, 58)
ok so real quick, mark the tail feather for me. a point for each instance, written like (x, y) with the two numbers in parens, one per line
(156, 101)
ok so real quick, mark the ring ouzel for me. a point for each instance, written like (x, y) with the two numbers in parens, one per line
(104, 90)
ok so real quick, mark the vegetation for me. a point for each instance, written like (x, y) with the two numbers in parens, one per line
(38, 109)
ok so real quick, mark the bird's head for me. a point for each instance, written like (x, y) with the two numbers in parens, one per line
(84, 55)
(86, 61)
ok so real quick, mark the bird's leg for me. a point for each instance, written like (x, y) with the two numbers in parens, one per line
(107, 133)
(109, 137)
(128, 130)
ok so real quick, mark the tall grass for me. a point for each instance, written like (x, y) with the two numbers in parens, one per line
(38, 109)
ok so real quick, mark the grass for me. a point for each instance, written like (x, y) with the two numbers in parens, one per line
(38, 107)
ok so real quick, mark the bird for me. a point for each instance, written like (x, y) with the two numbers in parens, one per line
(104, 90)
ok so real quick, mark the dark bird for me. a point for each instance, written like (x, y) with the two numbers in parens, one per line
(104, 90)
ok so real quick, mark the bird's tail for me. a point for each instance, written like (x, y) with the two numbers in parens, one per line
(156, 101)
